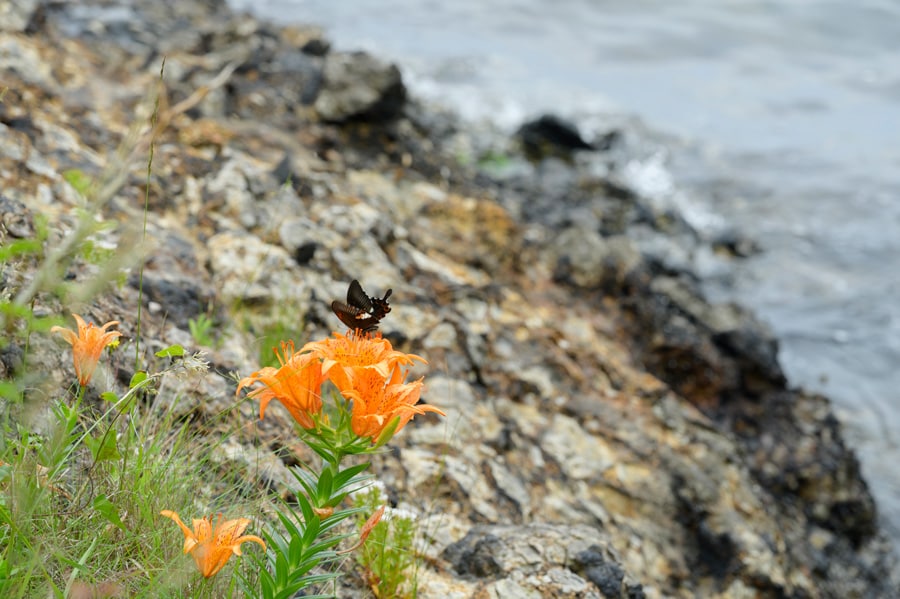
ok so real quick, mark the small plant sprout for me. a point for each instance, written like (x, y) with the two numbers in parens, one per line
(200, 328)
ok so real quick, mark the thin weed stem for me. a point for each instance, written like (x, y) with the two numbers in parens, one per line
(154, 120)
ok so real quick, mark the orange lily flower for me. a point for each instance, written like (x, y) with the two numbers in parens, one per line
(377, 402)
(87, 345)
(212, 545)
(344, 356)
(296, 384)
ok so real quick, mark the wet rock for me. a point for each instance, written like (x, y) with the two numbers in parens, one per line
(734, 244)
(316, 47)
(357, 85)
(709, 353)
(550, 135)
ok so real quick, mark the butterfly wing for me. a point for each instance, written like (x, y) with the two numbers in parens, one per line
(380, 307)
(353, 317)
(361, 312)
(357, 297)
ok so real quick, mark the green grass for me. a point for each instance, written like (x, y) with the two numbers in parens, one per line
(84, 475)
(69, 513)
(82, 492)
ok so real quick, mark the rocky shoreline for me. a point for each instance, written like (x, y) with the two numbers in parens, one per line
(611, 434)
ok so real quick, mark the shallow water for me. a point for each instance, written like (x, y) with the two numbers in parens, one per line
(781, 120)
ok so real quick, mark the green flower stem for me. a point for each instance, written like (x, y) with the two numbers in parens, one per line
(302, 553)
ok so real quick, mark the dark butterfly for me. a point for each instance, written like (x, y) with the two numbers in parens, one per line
(361, 312)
